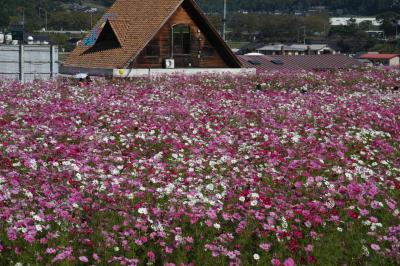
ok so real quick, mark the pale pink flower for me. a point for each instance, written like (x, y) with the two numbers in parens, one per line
(83, 259)
(375, 247)
(265, 246)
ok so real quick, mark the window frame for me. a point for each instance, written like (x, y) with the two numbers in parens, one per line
(184, 51)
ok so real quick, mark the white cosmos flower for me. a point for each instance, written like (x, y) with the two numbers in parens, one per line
(39, 228)
(256, 256)
(33, 164)
(143, 211)
(115, 172)
(210, 187)
(37, 218)
(254, 195)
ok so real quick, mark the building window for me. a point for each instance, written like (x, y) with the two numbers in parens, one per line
(181, 39)
(153, 49)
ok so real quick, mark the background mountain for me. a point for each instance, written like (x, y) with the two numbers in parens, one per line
(9, 8)
(254, 21)
(356, 7)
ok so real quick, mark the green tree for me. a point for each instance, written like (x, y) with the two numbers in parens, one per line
(389, 22)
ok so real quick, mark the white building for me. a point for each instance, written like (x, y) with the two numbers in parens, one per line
(344, 21)
(296, 49)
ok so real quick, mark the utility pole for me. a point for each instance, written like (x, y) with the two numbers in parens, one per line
(224, 21)
(304, 34)
(91, 12)
(45, 13)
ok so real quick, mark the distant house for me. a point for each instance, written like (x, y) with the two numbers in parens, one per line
(265, 63)
(296, 49)
(37, 39)
(382, 59)
(316, 9)
(376, 34)
(147, 34)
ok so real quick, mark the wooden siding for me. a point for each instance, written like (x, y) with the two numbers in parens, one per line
(200, 45)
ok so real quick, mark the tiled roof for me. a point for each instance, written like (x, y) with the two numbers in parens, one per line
(135, 23)
(306, 62)
(378, 56)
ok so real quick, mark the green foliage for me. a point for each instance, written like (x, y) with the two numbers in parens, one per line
(272, 28)
(34, 14)
(389, 21)
(351, 39)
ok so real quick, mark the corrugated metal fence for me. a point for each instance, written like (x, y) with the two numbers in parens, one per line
(28, 62)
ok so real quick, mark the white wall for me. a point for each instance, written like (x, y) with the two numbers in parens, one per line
(394, 61)
(128, 73)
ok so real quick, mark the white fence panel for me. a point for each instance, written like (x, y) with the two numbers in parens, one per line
(28, 62)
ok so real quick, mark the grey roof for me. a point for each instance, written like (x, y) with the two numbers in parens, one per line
(301, 62)
(294, 47)
(278, 47)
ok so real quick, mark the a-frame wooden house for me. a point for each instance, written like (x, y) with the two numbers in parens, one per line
(142, 34)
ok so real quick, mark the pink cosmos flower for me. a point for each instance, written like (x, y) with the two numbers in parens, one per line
(275, 262)
(375, 247)
(151, 256)
(96, 257)
(50, 251)
(309, 248)
(289, 262)
(265, 246)
(169, 250)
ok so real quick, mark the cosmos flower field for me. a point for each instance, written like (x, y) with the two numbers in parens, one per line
(302, 169)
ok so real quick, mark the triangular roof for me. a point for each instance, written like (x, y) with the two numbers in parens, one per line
(120, 28)
(108, 34)
(135, 23)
